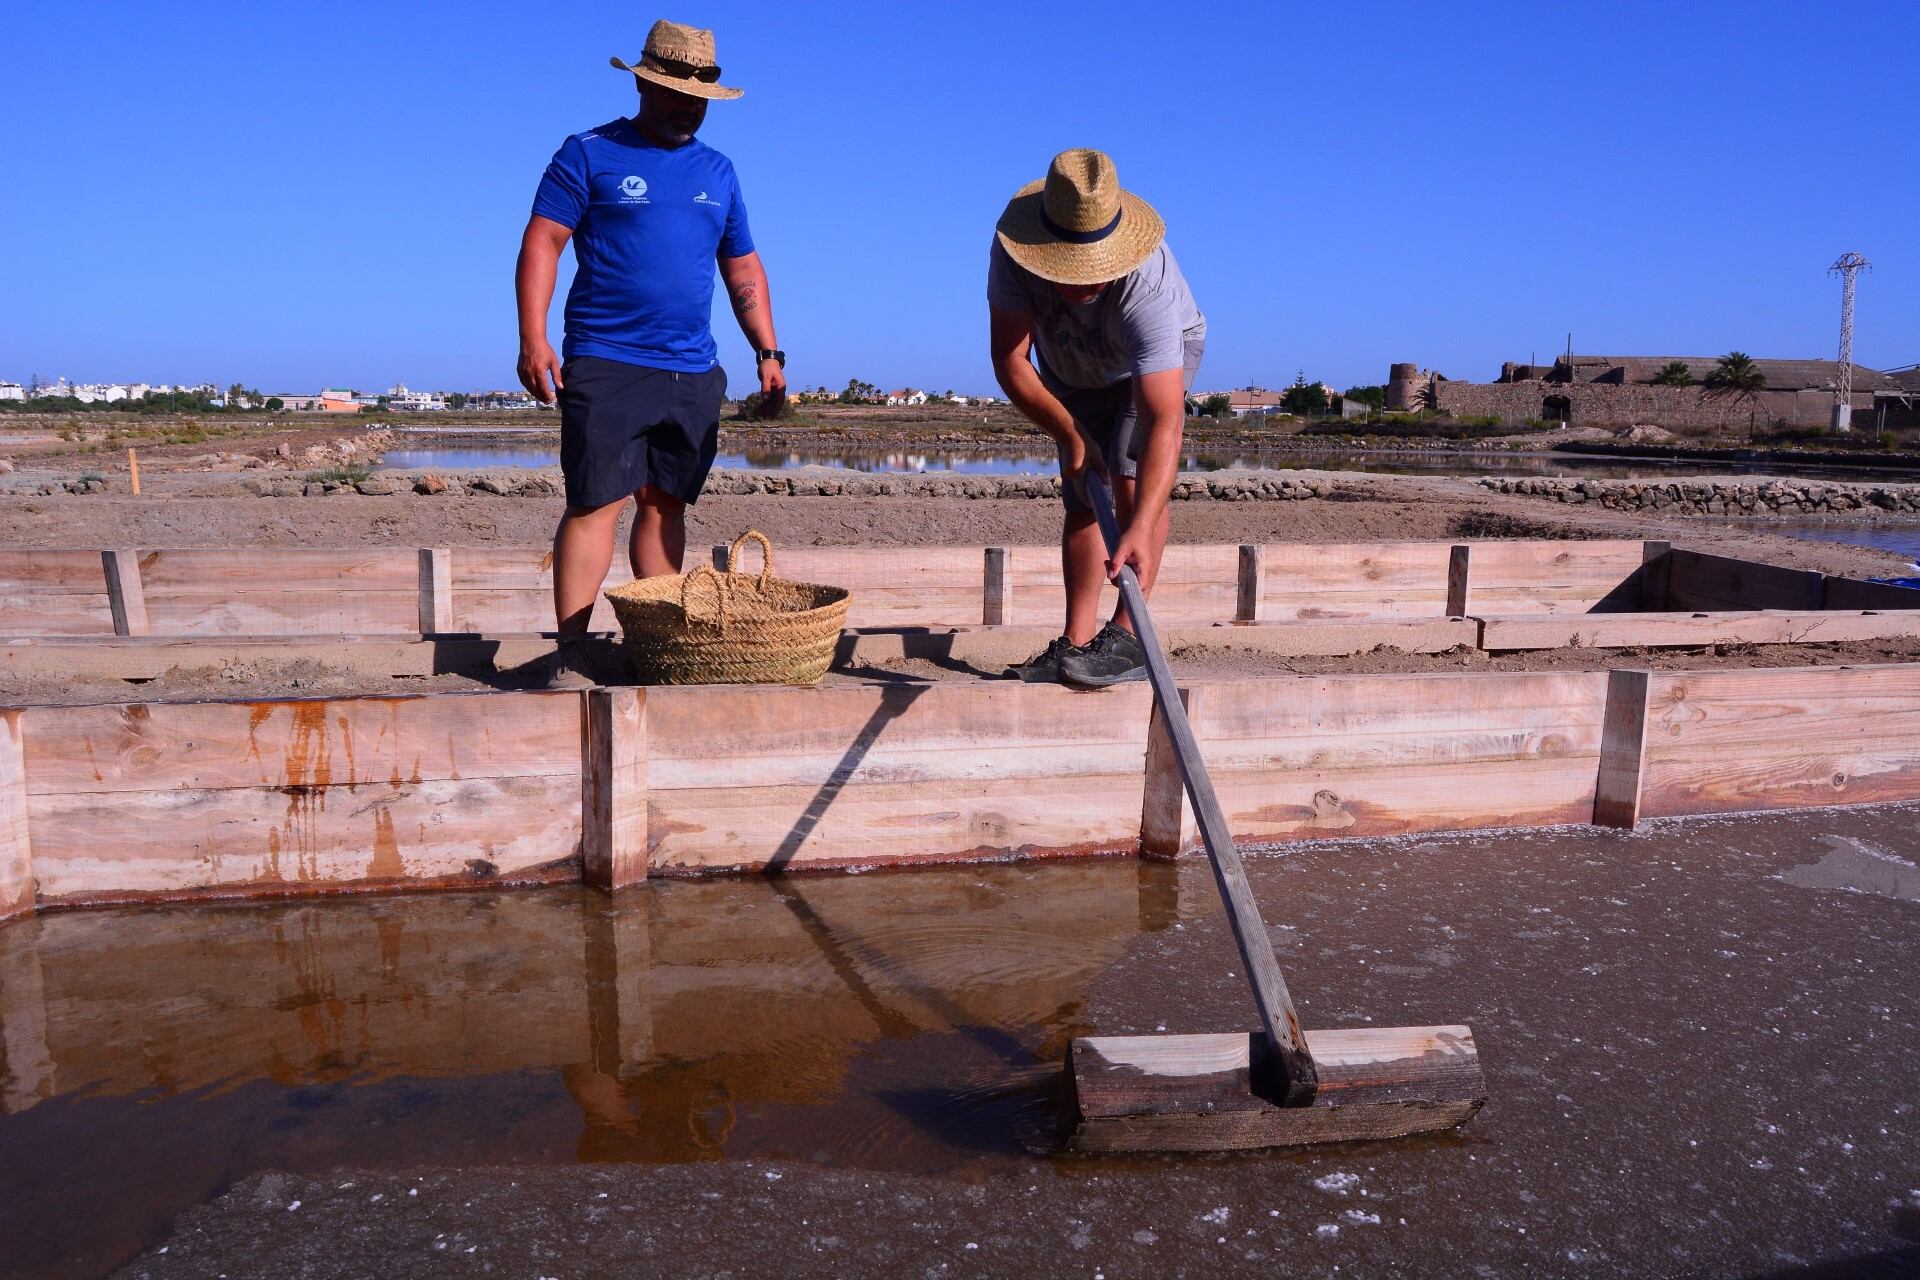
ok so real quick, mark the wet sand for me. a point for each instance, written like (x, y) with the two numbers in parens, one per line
(1697, 1041)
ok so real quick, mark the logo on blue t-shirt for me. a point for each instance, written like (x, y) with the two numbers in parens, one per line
(703, 199)
(633, 189)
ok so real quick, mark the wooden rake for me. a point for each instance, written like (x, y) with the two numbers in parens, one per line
(1279, 1086)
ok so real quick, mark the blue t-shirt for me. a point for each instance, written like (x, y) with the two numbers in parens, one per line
(647, 225)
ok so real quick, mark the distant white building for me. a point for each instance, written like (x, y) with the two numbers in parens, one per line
(415, 401)
(12, 391)
(502, 400)
(908, 396)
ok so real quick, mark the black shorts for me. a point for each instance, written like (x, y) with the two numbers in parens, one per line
(625, 426)
(1109, 417)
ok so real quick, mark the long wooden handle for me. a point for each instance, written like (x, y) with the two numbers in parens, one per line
(1287, 1043)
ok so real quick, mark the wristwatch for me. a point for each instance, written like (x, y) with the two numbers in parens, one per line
(768, 353)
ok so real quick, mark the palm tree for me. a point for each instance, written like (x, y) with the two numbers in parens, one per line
(1737, 378)
(1675, 373)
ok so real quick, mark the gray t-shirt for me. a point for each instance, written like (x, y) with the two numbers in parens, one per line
(1141, 324)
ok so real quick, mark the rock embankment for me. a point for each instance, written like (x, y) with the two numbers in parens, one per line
(1722, 497)
(1226, 486)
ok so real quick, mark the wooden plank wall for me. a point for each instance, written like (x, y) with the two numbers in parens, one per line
(493, 590)
(892, 586)
(768, 777)
(509, 589)
(1697, 581)
(1555, 577)
(1852, 593)
(1652, 630)
(1198, 583)
(139, 801)
(1345, 580)
(192, 798)
(1727, 741)
(1313, 756)
(54, 593)
(271, 591)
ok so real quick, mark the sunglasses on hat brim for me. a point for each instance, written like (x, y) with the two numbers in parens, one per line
(681, 70)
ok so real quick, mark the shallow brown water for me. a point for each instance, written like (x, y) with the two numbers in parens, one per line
(1698, 1041)
(149, 1058)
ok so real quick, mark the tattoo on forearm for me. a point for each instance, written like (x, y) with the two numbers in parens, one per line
(744, 299)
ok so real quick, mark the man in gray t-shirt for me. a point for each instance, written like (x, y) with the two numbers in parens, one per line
(1080, 279)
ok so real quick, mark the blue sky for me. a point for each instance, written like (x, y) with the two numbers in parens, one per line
(295, 196)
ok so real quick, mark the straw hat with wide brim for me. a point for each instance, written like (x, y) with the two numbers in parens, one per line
(680, 58)
(1076, 226)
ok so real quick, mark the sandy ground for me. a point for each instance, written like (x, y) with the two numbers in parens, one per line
(204, 511)
(308, 678)
(1697, 1041)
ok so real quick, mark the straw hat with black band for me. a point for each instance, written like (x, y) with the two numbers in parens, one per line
(1076, 226)
(680, 58)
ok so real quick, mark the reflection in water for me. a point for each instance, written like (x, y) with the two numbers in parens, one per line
(909, 1020)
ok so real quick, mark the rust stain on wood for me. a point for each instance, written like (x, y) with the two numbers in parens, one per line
(387, 863)
(346, 744)
(658, 829)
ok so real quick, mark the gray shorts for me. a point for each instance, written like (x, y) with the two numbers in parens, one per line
(1109, 417)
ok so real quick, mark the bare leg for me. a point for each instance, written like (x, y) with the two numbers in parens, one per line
(1150, 571)
(659, 541)
(582, 554)
(1083, 566)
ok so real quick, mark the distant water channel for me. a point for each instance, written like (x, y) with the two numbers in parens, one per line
(486, 457)
(1900, 541)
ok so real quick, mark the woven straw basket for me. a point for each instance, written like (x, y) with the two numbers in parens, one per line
(730, 628)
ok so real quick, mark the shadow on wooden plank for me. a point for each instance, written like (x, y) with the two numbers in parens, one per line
(894, 702)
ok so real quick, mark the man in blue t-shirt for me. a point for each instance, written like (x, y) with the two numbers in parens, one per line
(649, 212)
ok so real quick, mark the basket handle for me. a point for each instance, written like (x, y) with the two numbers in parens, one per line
(720, 594)
(766, 556)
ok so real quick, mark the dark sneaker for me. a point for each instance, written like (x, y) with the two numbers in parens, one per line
(1112, 657)
(570, 670)
(1044, 667)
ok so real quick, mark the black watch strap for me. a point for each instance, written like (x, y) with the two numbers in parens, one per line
(768, 353)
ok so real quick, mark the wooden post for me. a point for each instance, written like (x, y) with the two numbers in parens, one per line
(1655, 561)
(613, 774)
(1457, 570)
(16, 854)
(125, 597)
(1623, 744)
(1250, 583)
(996, 594)
(133, 471)
(436, 590)
(1167, 826)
